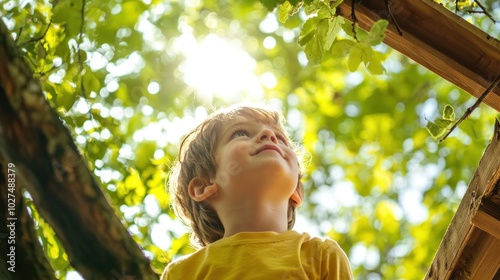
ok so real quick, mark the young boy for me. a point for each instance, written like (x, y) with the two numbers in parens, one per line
(237, 185)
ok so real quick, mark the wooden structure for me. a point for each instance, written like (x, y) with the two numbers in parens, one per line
(470, 248)
(437, 39)
(469, 58)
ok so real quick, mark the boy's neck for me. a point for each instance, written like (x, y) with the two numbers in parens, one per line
(254, 218)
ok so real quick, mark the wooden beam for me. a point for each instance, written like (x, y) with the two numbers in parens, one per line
(487, 218)
(480, 260)
(437, 39)
(450, 257)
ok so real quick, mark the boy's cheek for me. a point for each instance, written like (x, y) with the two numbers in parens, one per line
(241, 151)
(227, 170)
(234, 168)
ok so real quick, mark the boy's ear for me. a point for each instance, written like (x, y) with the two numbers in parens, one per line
(296, 198)
(199, 190)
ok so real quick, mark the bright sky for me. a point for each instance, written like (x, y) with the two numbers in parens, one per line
(219, 67)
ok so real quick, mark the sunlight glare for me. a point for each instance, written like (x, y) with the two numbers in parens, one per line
(218, 67)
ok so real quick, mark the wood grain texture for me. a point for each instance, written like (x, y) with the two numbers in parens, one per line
(487, 218)
(480, 258)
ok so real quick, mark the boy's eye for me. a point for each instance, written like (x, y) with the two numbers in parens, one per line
(239, 133)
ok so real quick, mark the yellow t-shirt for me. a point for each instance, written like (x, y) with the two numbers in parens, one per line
(263, 255)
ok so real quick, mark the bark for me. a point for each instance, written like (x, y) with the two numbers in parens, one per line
(50, 167)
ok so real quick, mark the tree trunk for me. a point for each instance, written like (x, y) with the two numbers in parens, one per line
(49, 166)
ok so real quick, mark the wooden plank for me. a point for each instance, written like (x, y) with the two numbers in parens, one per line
(487, 218)
(439, 40)
(480, 260)
(459, 231)
(484, 260)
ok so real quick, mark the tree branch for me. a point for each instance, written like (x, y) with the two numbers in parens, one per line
(473, 107)
(354, 20)
(484, 11)
(36, 39)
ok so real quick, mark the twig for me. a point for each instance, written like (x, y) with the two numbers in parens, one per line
(485, 11)
(392, 17)
(19, 34)
(473, 107)
(32, 40)
(80, 62)
(354, 20)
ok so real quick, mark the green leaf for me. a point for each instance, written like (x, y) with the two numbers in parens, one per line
(347, 26)
(322, 30)
(374, 66)
(448, 112)
(284, 11)
(314, 51)
(435, 130)
(373, 60)
(444, 123)
(324, 12)
(439, 127)
(377, 33)
(312, 7)
(40, 50)
(61, 12)
(66, 98)
(341, 47)
(334, 4)
(355, 57)
(334, 26)
(144, 153)
(73, 24)
(90, 81)
(307, 31)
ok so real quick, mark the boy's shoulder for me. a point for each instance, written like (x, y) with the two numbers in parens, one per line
(178, 261)
(320, 245)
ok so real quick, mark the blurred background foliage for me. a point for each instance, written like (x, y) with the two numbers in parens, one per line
(130, 78)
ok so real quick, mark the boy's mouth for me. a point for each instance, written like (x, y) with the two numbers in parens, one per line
(269, 147)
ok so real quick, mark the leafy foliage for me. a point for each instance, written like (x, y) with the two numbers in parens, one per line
(320, 31)
(376, 182)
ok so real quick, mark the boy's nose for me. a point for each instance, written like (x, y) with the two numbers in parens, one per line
(267, 134)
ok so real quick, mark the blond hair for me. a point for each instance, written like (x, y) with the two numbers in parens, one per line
(197, 160)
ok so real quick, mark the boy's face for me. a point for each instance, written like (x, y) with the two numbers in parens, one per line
(255, 160)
